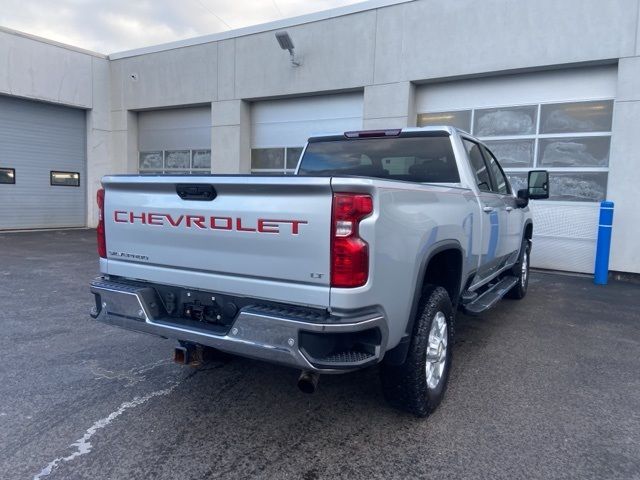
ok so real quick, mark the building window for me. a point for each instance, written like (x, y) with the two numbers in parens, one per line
(175, 162)
(460, 119)
(273, 161)
(576, 117)
(65, 179)
(293, 155)
(513, 153)
(494, 122)
(7, 175)
(570, 139)
(201, 159)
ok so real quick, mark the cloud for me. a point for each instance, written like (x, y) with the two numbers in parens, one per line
(115, 25)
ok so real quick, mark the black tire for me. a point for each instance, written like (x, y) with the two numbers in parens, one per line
(405, 386)
(521, 271)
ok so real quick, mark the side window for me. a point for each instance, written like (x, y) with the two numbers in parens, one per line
(7, 175)
(477, 164)
(64, 179)
(499, 179)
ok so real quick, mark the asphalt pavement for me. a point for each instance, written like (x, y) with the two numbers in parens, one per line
(547, 387)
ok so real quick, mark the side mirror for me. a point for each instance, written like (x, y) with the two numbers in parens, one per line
(538, 185)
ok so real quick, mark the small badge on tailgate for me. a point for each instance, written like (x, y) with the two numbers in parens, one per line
(132, 256)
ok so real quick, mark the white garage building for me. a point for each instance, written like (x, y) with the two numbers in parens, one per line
(546, 84)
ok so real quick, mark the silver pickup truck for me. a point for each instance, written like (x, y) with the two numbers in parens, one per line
(362, 257)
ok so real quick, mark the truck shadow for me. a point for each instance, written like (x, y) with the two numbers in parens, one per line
(249, 409)
(267, 390)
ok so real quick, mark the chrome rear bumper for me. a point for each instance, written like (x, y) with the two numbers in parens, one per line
(256, 332)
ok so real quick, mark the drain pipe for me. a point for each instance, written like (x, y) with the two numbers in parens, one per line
(308, 381)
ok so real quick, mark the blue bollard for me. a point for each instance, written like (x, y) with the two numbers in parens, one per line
(601, 273)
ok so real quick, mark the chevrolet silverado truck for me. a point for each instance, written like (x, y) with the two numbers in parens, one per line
(362, 257)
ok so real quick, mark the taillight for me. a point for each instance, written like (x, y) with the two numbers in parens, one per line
(349, 253)
(102, 241)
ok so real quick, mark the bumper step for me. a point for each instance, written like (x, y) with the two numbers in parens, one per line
(347, 357)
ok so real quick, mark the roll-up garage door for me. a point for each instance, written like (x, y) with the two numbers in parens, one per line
(175, 140)
(42, 165)
(280, 128)
(557, 120)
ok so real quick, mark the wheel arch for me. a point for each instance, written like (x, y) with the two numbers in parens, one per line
(528, 229)
(447, 255)
(527, 234)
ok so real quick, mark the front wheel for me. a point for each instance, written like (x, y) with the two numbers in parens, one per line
(418, 385)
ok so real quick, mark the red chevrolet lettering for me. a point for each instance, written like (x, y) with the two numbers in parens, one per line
(240, 228)
(295, 225)
(174, 223)
(155, 219)
(133, 217)
(268, 226)
(197, 220)
(117, 216)
(221, 223)
(271, 226)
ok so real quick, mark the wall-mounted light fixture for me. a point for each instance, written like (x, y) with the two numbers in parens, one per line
(285, 42)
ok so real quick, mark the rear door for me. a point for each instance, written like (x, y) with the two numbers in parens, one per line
(253, 232)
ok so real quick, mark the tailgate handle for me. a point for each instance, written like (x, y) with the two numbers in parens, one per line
(191, 191)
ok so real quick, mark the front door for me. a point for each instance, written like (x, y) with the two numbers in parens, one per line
(513, 218)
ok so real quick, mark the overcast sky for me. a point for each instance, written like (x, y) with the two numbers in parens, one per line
(109, 26)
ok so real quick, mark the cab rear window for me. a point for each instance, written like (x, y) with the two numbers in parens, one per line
(413, 159)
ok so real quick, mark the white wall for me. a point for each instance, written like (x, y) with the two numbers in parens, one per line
(435, 39)
(175, 129)
(563, 85)
(42, 71)
(289, 122)
(624, 168)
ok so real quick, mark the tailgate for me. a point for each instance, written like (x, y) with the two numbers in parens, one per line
(265, 229)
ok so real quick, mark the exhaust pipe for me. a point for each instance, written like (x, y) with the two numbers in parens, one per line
(308, 381)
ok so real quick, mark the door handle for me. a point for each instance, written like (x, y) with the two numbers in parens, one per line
(509, 209)
(487, 209)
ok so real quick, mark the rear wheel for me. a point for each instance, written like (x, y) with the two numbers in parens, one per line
(418, 385)
(521, 271)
